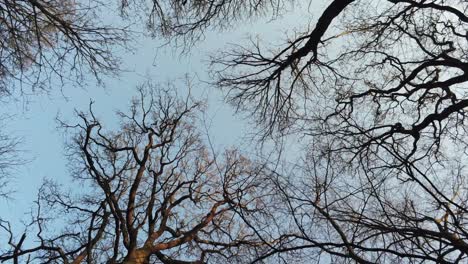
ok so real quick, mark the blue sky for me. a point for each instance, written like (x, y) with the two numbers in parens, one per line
(43, 143)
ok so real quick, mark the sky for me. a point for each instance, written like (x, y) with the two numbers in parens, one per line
(43, 143)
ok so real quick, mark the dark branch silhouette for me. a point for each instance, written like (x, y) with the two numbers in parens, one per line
(150, 192)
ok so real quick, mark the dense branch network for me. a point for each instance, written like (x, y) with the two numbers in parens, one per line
(378, 88)
(152, 192)
(47, 43)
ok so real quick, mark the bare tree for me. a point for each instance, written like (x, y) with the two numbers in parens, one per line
(45, 42)
(10, 159)
(185, 22)
(378, 88)
(149, 191)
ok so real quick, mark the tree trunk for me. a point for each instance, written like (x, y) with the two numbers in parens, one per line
(138, 256)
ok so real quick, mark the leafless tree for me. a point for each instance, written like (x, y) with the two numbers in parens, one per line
(47, 42)
(148, 191)
(10, 159)
(378, 90)
(187, 21)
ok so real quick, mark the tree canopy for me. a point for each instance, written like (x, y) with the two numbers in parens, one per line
(374, 89)
(152, 191)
